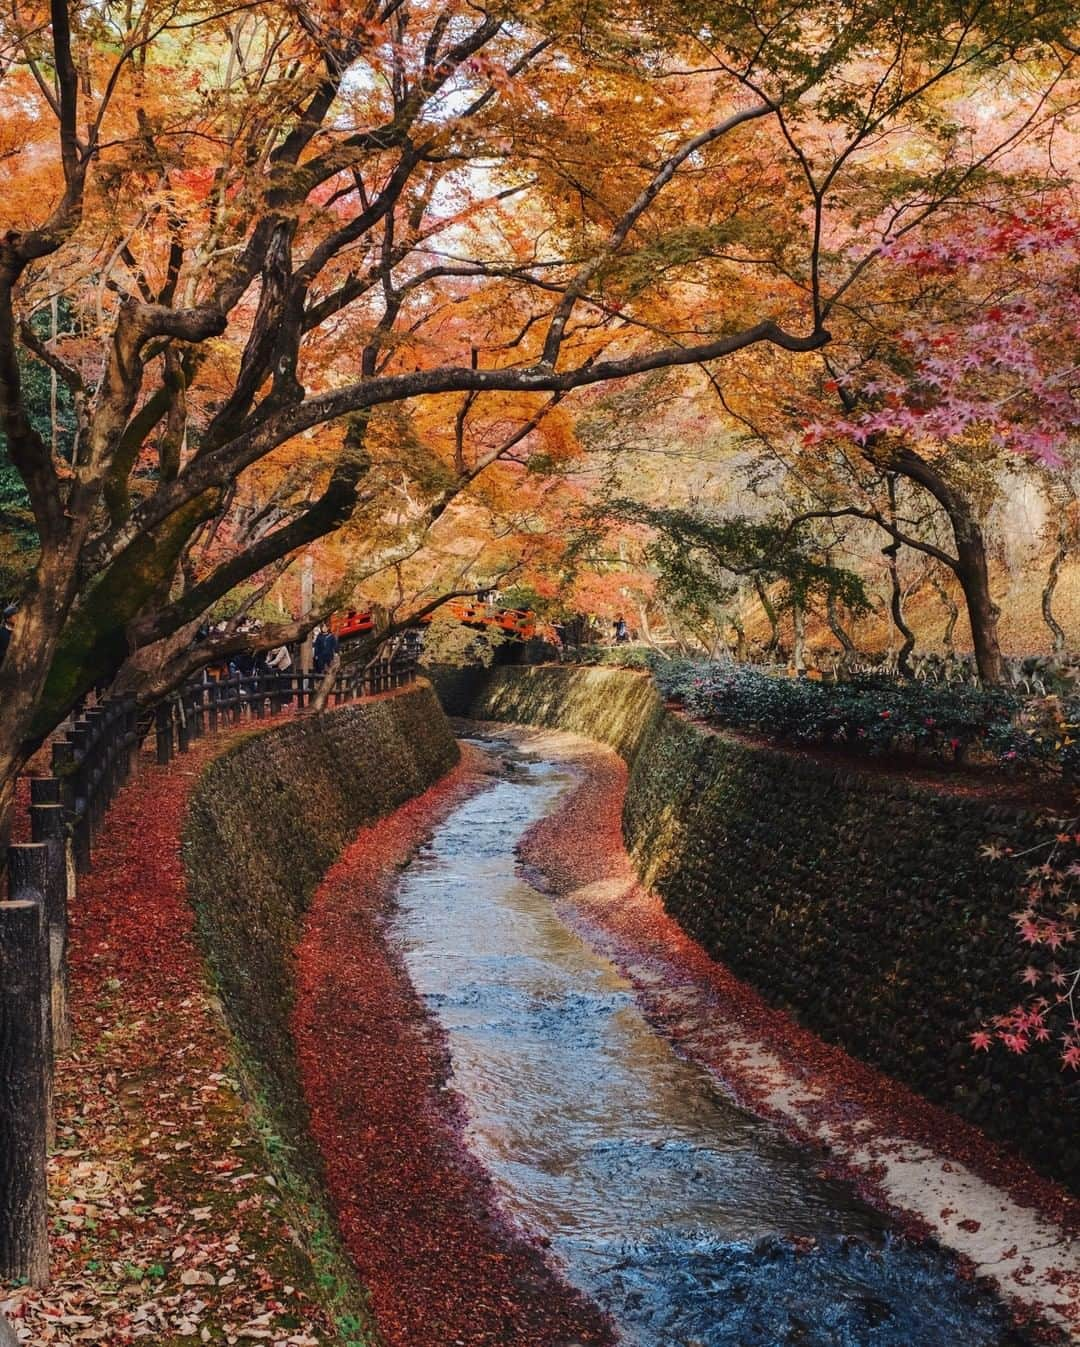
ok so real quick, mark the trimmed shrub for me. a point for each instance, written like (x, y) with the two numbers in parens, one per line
(875, 716)
(617, 656)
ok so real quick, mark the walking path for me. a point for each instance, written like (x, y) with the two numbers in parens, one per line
(164, 1219)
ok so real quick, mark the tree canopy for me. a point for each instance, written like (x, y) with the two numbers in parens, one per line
(271, 273)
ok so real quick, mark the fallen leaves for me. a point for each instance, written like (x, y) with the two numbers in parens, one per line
(418, 1212)
(165, 1222)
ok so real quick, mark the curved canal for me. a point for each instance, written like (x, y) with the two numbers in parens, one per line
(693, 1223)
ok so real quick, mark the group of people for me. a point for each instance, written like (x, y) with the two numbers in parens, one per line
(282, 659)
(245, 663)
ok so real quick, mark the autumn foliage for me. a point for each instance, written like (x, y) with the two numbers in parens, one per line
(279, 272)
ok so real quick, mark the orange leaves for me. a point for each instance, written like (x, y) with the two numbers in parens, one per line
(556, 432)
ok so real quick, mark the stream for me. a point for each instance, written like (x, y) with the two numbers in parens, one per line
(690, 1221)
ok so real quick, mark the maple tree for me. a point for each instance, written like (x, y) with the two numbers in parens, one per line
(985, 362)
(703, 558)
(950, 374)
(267, 223)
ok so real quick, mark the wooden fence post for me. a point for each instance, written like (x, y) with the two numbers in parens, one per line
(163, 733)
(93, 769)
(62, 760)
(117, 768)
(79, 737)
(131, 737)
(198, 696)
(28, 878)
(24, 1240)
(183, 723)
(47, 826)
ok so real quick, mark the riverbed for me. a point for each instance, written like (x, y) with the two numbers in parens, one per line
(690, 1221)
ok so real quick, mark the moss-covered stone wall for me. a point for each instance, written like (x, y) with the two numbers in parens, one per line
(267, 820)
(456, 685)
(861, 903)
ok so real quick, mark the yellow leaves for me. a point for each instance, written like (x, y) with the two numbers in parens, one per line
(556, 433)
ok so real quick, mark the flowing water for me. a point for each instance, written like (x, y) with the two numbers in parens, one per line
(691, 1222)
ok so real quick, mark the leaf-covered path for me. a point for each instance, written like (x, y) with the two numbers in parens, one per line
(165, 1224)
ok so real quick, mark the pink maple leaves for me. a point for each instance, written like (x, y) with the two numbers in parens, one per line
(1046, 927)
(992, 346)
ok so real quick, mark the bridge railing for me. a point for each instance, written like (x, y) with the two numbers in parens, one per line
(91, 758)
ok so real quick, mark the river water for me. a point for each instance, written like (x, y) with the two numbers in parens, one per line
(691, 1222)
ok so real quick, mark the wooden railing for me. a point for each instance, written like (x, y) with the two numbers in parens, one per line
(202, 707)
(91, 759)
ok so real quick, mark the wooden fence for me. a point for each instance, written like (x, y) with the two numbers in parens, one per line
(91, 759)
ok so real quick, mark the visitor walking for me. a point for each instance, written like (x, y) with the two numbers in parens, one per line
(622, 631)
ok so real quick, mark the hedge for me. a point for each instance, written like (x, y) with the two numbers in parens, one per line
(871, 715)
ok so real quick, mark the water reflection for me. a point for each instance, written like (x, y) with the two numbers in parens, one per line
(691, 1222)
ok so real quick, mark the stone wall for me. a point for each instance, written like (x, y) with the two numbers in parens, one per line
(862, 903)
(267, 820)
(456, 685)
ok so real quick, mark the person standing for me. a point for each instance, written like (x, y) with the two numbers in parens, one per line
(325, 648)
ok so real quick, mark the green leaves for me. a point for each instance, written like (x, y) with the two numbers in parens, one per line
(874, 715)
(703, 556)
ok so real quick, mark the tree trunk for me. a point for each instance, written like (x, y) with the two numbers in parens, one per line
(326, 685)
(970, 565)
(896, 607)
(645, 628)
(983, 613)
(740, 639)
(1056, 629)
(847, 645)
(798, 642)
(953, 612)
(770, 613)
